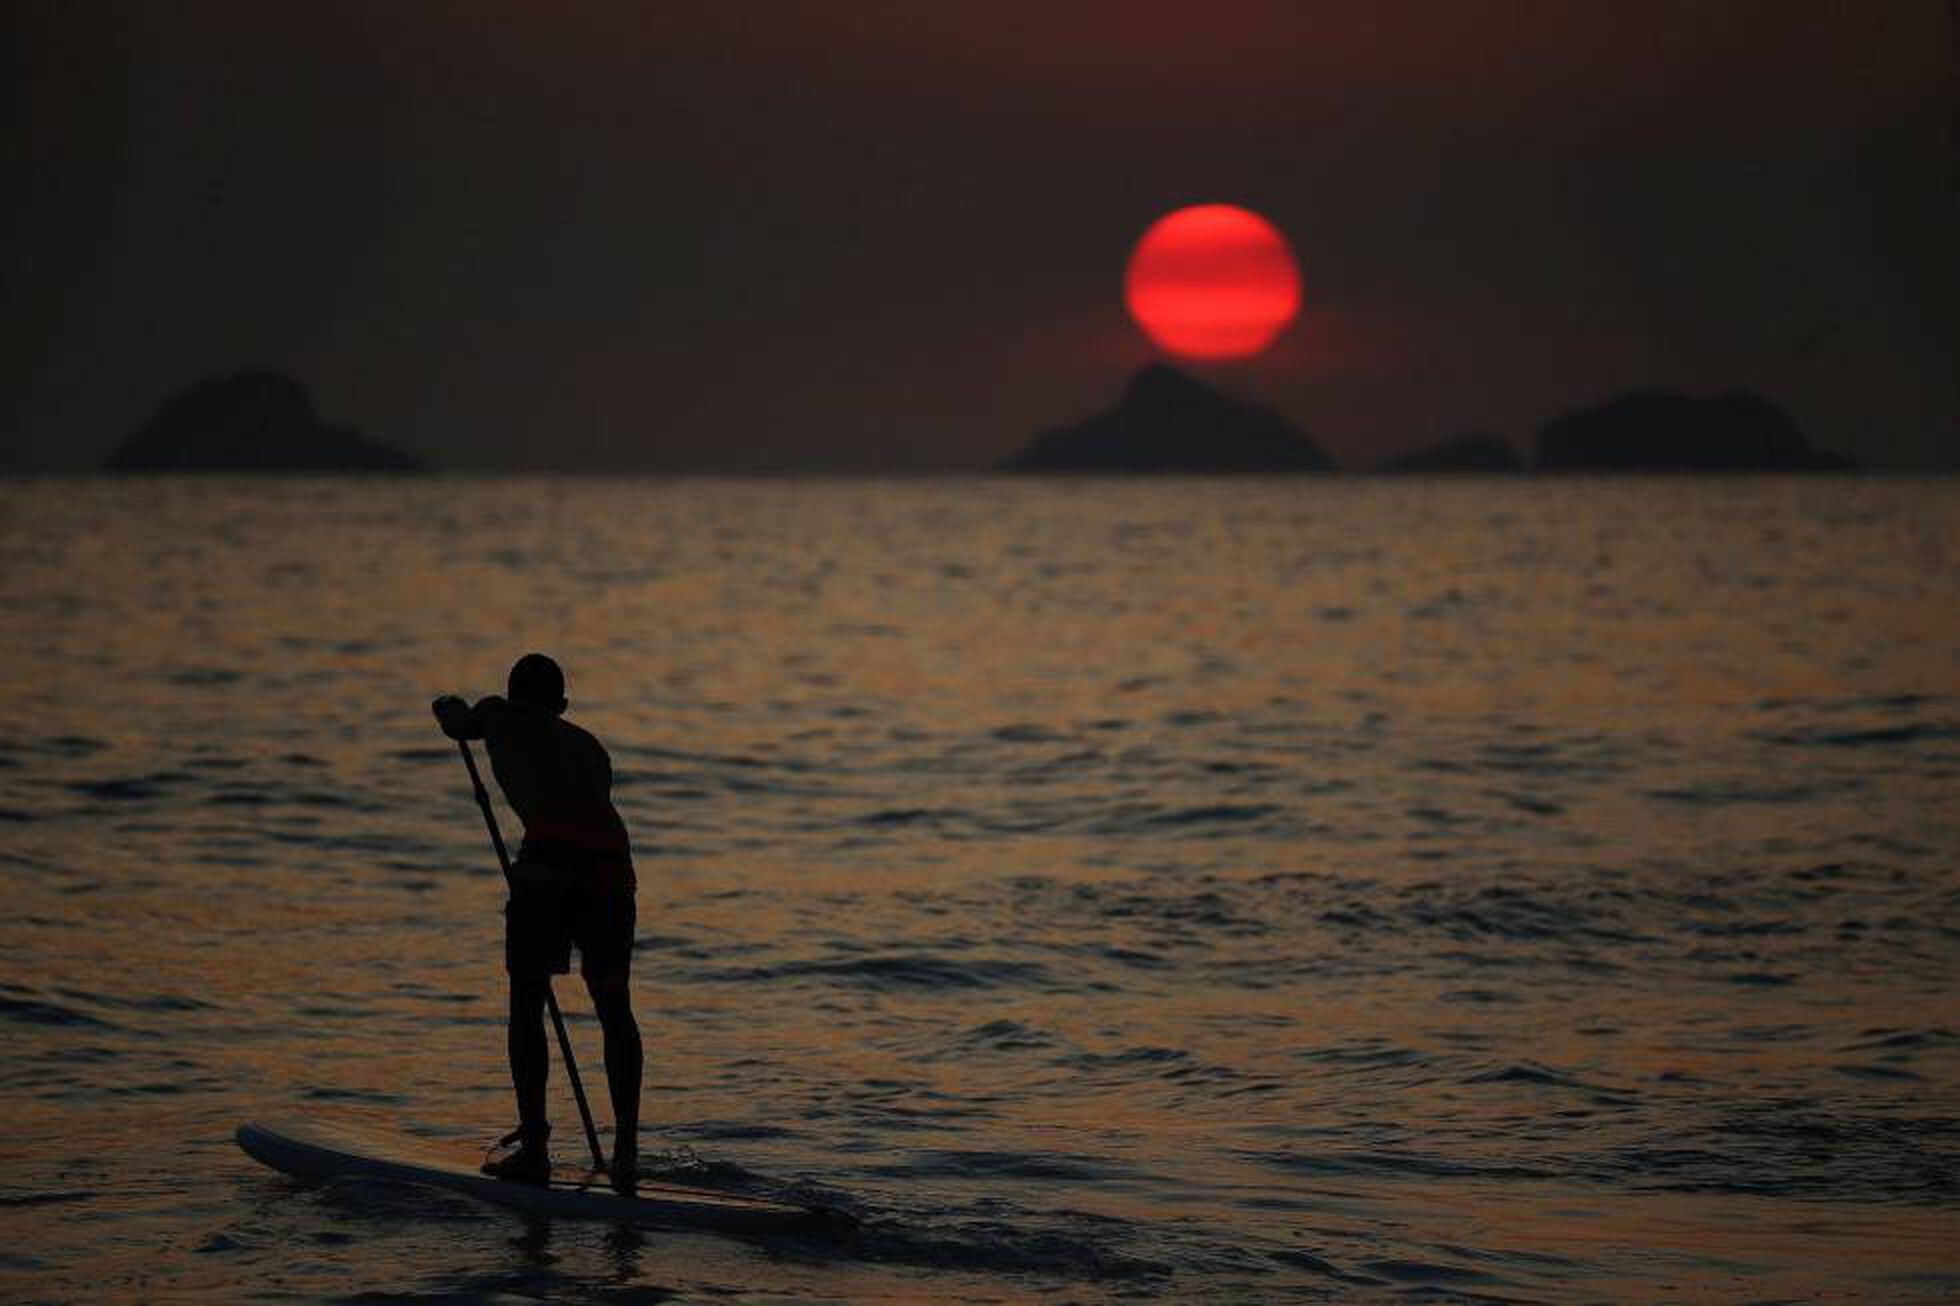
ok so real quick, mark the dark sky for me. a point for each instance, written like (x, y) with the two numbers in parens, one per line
(853, 235)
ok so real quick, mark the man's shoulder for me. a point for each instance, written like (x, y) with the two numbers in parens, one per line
(579, 735)
(511, 722)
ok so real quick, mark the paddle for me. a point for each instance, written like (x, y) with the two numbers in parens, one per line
(550, 998)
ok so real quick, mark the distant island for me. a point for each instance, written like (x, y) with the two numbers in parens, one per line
(1660, 431)
(255, 421)
(1477, 451)
(1167, 421)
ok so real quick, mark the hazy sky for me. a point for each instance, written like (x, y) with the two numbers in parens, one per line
(854, 235)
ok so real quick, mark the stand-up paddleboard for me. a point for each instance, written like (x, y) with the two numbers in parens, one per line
(309, 1150)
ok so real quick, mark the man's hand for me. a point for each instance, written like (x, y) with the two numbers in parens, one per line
(453, 714)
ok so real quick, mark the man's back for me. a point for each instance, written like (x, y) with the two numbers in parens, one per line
(551, 770)
(558, 779)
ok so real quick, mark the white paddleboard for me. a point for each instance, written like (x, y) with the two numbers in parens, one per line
(322, 1150)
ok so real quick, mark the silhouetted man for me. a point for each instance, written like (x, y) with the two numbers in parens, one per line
(572, 883)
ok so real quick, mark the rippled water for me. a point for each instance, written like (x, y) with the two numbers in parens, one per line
(1237, 890)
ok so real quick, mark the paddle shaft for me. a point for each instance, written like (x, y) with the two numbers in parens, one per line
(550, 998)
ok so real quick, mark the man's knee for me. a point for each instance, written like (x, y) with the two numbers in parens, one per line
(527, 994)
(612, 999)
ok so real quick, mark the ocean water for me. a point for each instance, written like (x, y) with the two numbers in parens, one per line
(1319, 889)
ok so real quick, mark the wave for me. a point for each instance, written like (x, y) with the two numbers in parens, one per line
(34, 1011)
(899, 971)
(1919, 732)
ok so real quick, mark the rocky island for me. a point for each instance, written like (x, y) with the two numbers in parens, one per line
(255, 421)
(1168, 421)
(1660, 431)
(1474, 452)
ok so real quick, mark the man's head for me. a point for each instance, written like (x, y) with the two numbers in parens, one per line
(535, 680)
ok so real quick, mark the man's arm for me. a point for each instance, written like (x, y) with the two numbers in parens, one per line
(457, 718)
(461, 721)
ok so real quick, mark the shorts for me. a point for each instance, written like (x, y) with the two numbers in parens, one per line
(541, 925)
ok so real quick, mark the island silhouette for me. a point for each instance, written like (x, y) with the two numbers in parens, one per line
(1662, 431)
(1473, 451)
(250, 421)
(1169, 421)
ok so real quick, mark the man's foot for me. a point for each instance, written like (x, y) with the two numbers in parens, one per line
(529, 1164)
(624, 1172)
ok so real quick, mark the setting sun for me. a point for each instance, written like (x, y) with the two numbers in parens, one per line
(1212, 281)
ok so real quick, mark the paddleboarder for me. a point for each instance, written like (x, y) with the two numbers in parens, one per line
(571, 884)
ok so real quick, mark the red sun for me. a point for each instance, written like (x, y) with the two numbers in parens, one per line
(1212, 281)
